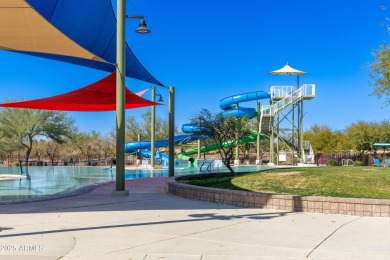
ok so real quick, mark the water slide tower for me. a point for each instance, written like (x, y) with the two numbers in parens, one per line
(282, 119)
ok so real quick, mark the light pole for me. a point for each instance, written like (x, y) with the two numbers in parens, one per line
(120, 93)
(171, 124)
(171, 130)
(153, 127)
(258, 135)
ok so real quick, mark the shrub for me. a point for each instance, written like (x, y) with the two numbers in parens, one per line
(358, 163)
(332, 162)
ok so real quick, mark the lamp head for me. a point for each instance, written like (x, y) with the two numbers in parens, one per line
(160, 99)
(142, 28)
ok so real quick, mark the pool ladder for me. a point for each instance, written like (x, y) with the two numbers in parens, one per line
(207, 164)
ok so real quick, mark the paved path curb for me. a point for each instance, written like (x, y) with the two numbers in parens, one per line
(296, 203)
(151, 224)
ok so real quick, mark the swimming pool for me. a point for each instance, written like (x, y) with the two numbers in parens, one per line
(51, 180)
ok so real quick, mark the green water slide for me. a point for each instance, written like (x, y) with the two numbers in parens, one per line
(185, 155)
(227, 104)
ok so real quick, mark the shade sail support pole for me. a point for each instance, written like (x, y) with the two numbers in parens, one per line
(120, 100)
(171, 134)
(258, 134)
(153, 130)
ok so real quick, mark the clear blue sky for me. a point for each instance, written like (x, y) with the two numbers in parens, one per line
(210, 50)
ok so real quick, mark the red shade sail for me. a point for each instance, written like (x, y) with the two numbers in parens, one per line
(99, 96)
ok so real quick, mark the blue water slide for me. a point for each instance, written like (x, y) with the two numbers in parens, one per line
(190, 128)
(239, 112)
(230, 106)
(132, 147)
(161, 158)
(229, 102)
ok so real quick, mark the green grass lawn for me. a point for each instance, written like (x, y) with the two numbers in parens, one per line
(347, 182)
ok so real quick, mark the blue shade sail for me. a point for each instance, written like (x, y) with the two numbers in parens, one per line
(92, 25)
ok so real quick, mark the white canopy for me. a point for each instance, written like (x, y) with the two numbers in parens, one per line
(288, 70)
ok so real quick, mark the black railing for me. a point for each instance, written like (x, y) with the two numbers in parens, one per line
(322, 159)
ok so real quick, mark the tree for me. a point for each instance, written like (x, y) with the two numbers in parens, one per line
(107, 146)
(52, 150)
(380, 69)
(84, 143)
(384, 131)
(135, 126)
(247, 148)
(361, 137)
(26, 125)
(380, 73)
(341, 140)
(382, 135)
(39, 149)
(225, 131)
(92, 145)
(7, 147)
(322, 139)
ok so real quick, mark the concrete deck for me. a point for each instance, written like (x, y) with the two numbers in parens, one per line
(151, 224)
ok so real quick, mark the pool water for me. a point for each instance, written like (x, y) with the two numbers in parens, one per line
(49, 180)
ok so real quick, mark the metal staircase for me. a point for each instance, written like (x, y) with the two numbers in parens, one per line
(308, 153)
(307, 150)
(286, 98)
(282, 97)
(265, 124)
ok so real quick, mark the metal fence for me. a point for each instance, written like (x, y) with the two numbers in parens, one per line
(322, 159)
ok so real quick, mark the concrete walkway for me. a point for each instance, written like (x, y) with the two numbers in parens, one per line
(151, 224)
